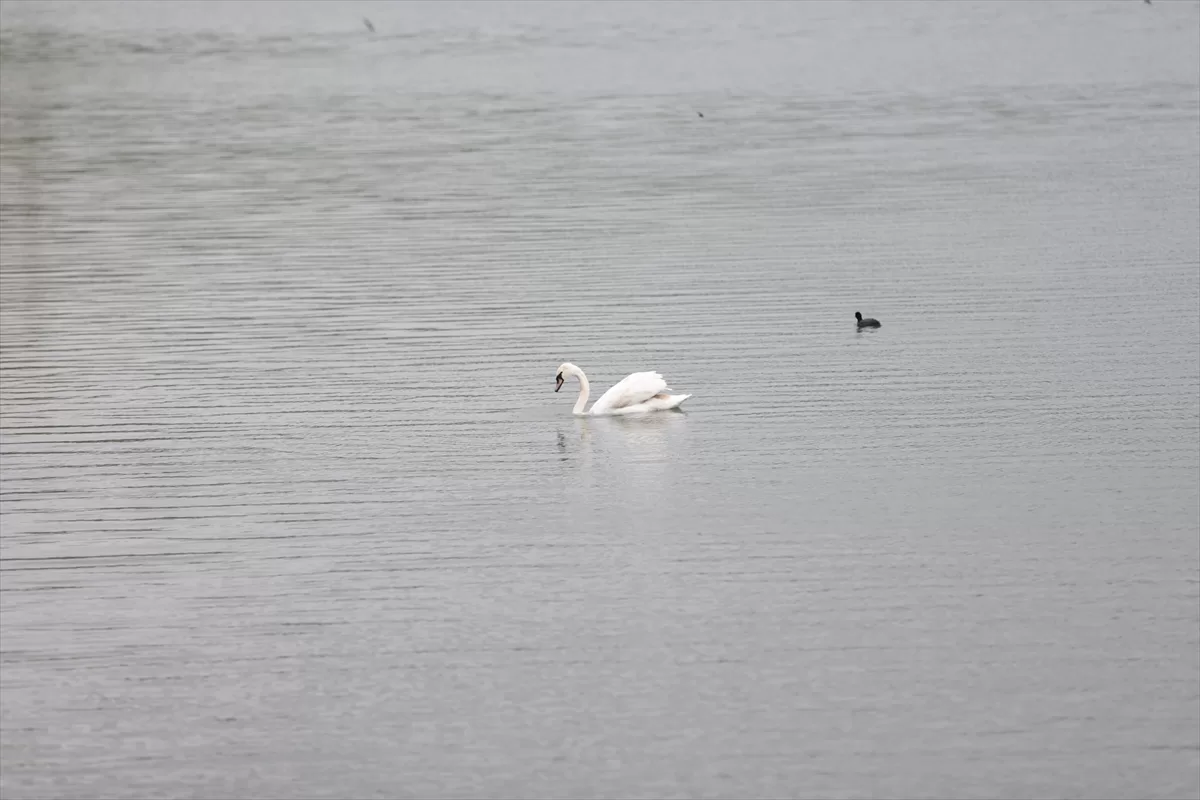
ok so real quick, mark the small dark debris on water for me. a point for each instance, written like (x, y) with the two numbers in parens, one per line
(700, 115)
(370, 27)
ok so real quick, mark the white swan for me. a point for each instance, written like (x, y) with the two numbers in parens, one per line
(638, 393)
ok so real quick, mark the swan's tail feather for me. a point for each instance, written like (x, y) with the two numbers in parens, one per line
(655, 402)
(669, 401)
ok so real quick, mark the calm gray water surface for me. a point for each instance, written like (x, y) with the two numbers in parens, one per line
(290, 508)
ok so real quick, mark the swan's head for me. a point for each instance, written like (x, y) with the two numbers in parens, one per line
(564, 369)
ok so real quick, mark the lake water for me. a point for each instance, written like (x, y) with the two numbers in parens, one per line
(291, 509)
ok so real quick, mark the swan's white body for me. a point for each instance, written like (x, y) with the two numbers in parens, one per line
(636, 394)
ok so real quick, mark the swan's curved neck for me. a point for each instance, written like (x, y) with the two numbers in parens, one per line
(583, 392)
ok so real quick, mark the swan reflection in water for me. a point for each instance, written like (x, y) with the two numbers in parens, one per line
(623, 440)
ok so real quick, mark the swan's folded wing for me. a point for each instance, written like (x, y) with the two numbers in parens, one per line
(637, 388)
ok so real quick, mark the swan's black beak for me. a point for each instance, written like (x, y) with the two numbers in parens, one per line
(558, 382)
